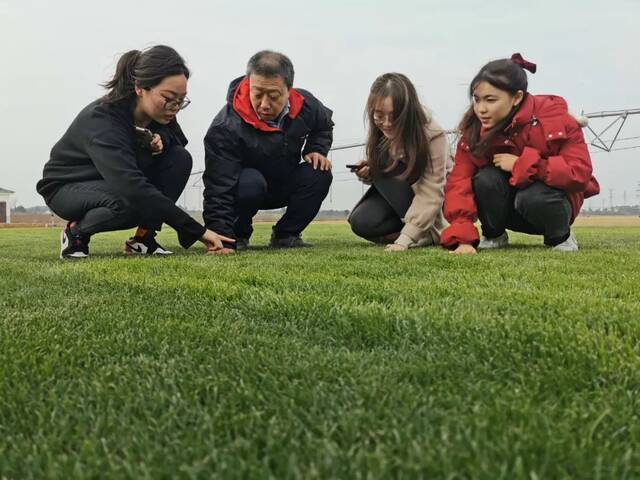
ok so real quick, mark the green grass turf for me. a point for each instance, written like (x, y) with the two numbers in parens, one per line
(340, 361)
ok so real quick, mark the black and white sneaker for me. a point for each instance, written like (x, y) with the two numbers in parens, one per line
(146, 245)
(73, 245)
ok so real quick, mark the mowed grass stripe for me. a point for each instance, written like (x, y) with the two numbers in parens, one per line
(339, 361)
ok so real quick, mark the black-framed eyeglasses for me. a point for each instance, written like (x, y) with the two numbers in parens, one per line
(175, 104)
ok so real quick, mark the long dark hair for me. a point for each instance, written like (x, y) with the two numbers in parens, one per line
(504, 74)
(146, 69)
(409, 125)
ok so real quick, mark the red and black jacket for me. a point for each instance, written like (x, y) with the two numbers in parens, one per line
(238, 139)
(551, 149)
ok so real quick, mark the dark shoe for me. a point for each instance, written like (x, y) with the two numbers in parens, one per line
(386, 239)
(242, 244)
(146, 245)
(294, 241)
(73, 245)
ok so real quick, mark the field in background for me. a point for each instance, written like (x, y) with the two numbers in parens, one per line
(41, 220)
(339, 361)
(607, 221)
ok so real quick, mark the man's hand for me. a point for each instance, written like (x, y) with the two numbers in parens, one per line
(318, 161)
(156, 144)
(464, 249)
(505, 161)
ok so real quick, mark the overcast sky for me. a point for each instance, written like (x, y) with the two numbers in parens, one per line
(55, 55)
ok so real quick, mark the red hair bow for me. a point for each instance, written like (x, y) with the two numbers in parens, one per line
(517, 59)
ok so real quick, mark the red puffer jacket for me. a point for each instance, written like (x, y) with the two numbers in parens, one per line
(550, 148)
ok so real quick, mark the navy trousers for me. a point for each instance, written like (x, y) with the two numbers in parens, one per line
(302, 192)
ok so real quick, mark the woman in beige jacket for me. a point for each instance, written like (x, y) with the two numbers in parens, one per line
(407, 162)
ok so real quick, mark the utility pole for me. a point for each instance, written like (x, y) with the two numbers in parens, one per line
(611, 198)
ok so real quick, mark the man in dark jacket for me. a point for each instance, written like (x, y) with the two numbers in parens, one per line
(267, 148)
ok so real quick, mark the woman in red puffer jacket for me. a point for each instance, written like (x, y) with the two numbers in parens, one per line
(521, 164)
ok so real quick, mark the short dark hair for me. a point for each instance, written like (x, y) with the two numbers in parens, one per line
(268, 63)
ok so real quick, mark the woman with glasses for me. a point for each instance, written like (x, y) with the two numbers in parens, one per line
(407, 161)
(122, 162)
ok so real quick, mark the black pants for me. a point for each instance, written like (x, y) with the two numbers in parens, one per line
(96, 208)
(537, 209)
(302, 193)
(380, 211)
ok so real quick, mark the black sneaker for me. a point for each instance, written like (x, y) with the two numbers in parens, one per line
(293, 241)
(242, 244)
(146, 245)
(73, 245)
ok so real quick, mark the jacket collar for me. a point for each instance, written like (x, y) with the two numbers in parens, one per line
(242, 106)
(524, 114)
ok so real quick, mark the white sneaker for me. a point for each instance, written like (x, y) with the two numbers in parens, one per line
(569, 245)
(493, 243)
(73, 245)
(146, 245)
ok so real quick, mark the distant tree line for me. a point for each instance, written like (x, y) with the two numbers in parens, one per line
(34, 210)
(622, 210)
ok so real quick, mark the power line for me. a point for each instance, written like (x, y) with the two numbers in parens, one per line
(623, 139)
(595, 152)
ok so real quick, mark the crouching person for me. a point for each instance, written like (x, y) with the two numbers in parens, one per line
(267, 148)
(407, 161)
(521, 164)
(122, 162)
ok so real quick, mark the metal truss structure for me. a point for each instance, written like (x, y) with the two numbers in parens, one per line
(619, 119)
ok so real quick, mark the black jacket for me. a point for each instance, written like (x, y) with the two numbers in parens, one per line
(101, 144)
(233, 143)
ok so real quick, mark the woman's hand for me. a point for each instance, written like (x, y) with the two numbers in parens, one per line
(394, 247)
(222, 251)
(363, 172)
(464, 249)
(156, 144)
(213, 242)
(505, 161)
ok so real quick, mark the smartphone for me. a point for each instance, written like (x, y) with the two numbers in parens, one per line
(355, 167)
(144, 136)
(503, 149)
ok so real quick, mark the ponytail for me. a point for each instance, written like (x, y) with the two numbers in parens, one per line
(123, 84)
(146, 69)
